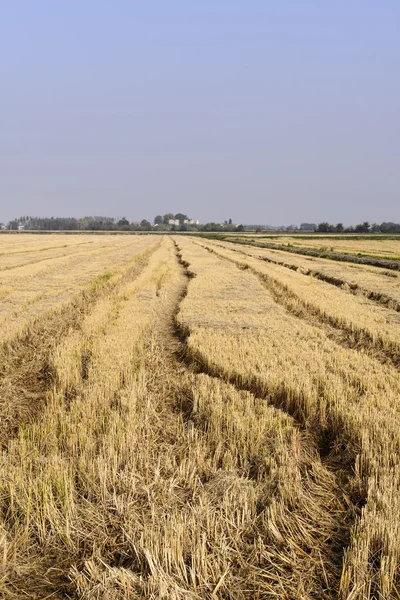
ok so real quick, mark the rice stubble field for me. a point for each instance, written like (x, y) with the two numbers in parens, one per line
(186, 418)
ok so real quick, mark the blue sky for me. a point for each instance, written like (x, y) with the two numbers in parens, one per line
(265, 112)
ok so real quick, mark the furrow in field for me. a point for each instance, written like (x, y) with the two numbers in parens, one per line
(330, 498)
(26, 373)
(351, 321)
(235, 329)
(380, 286)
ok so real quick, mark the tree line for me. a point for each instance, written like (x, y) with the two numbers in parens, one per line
(181, 222)
(365, 227)
(160, 223)
(325, 227)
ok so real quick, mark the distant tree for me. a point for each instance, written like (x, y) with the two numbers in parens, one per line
(323, 227)
(167, 217)
(84, 223)
(308, 226)
(158, 220)
(144, 224)
(181, 217)
(339, 228)
(230, 222)
(123, 222)
(389, 227)
(362, 227)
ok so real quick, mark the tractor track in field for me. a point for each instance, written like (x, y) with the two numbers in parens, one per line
(337, 468)
(354, 339)
(26, 373)
(379, 298)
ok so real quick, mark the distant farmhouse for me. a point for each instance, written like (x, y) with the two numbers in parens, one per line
(3, 227)
(21, 227)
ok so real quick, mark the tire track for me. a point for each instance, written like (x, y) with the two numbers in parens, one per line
(336, 468)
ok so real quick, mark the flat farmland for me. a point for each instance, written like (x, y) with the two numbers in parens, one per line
(380, 251)
(377, 245)
(186, 418)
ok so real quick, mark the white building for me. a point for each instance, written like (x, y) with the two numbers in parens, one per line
(3, 227)
(21, 227)
(186, 222)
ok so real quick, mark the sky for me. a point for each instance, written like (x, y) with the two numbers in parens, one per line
(266, 112)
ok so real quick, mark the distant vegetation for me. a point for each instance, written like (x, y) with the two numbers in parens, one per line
(325, 227)
(160, 223)
(360, 228)
(181, 222)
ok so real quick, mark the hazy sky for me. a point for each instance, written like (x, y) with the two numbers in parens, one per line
(262, 111)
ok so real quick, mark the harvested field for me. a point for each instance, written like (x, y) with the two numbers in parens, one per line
(379, 246)
(376, 284)
(183, 419)
(385, 255)
(374, 328)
